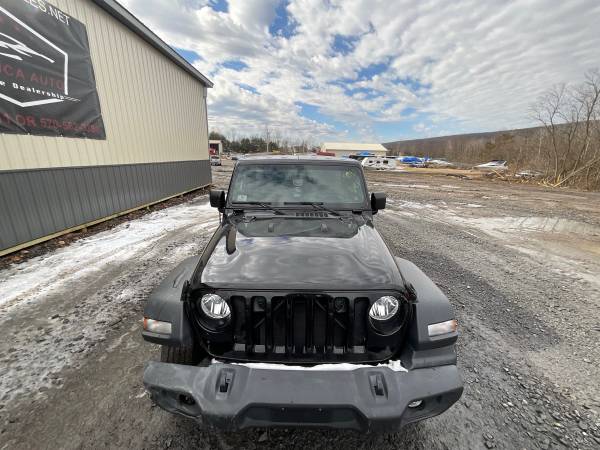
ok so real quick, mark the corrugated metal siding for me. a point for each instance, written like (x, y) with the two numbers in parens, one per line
(153, 110)
(40, 202)
(157, 141)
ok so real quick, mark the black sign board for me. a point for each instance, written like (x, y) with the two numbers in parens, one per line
(47, 84)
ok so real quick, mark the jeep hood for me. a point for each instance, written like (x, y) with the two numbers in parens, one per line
(361, 261)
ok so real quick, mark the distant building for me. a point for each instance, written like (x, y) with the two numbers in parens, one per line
(352, 148)
(215, 147)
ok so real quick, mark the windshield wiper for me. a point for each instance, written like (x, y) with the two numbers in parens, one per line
(316, 205)
(262, 205)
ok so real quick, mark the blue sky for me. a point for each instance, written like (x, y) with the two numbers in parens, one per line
(352, 70)
(190, 55)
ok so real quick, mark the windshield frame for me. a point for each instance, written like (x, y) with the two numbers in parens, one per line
(366, 206)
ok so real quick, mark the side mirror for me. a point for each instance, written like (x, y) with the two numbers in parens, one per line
(377, 201)
(217, 199)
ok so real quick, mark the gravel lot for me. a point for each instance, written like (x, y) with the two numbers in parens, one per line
(521, 265)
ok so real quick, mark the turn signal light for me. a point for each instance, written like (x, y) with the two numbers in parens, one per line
(156, 326)
(437, 329)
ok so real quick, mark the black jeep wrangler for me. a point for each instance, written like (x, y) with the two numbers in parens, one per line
(297, 314)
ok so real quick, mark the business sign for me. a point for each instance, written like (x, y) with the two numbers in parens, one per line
(47, 84)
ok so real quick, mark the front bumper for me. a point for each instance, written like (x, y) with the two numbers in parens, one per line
(233, 397)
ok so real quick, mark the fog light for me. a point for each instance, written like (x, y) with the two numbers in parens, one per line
(384, 308)
(186, 399)
(415, 404)
(156, 326)
(215, 306)
(436, 329)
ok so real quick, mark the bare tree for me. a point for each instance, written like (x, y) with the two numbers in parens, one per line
(569, 116)
(547, 112)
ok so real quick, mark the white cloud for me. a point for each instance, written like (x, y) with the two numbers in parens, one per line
(421, 127)
(476, 65)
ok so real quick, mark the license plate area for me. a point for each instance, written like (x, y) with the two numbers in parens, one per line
(301, 416)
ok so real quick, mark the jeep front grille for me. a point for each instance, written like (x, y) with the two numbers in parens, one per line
(302, 328)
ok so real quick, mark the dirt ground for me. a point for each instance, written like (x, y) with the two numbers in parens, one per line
(521, 265)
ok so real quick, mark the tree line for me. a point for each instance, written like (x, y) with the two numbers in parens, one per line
(258, 144)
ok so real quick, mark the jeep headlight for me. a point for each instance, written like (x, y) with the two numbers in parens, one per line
(388, 315)
(384, 308)
(215, 307)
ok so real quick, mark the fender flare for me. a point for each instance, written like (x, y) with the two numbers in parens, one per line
(430, 306)
(165, 304)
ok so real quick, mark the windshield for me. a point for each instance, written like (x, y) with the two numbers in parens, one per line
(281, 184)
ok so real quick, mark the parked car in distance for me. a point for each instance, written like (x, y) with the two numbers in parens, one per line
(296, 313)
(496, 165)
(215, 160)
(379, 162)
(529, 174)
(413, 161)
(439, 162)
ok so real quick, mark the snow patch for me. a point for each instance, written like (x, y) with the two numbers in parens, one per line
(409, 186)
(393, 365)
(56, 308)
(415, 205)
(569, 267)
(33, 279)
(502, 226)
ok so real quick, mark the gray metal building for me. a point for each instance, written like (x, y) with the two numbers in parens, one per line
(153, 111)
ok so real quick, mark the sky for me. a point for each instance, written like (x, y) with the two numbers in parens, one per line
(376, 70)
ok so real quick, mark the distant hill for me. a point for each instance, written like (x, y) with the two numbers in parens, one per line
(473, 147)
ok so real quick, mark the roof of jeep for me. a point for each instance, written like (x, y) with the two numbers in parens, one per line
(304, 159)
